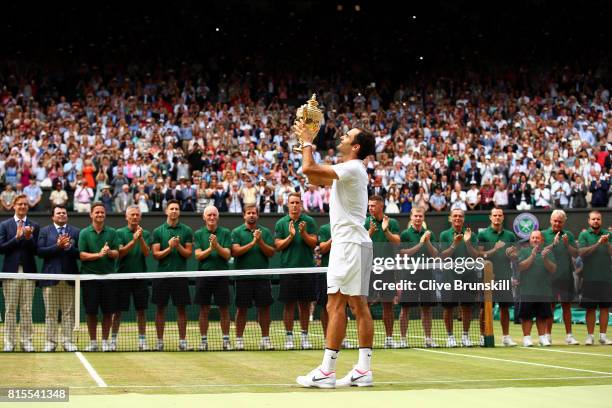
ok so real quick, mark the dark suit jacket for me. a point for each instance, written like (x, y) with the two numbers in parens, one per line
(56, 260)
(18, 251)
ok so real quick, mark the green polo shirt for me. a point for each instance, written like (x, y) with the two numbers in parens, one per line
(214, 261)
(411, 237)
(597, 264)
(446, 239)
(487, 238)
(173, 262)
(134, 261)
(92, 242)
(565, 266)
(535, 281)
(297, 254)
(324, 236)
(379, 235)
(254, 258)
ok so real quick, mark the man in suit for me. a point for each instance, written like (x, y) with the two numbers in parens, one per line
(57, 246)
(18, 236)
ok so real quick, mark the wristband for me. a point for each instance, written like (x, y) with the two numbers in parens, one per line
(307, 144)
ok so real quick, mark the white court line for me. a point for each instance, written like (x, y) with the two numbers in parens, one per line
(514, 361)
(92, 372)
(449, 381)
(568, 352)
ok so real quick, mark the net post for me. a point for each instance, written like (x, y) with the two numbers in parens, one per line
(77, 304)
(489, 338)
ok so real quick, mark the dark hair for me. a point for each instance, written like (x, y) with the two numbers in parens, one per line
(97, 204)
(376, 198)
(298, 195)
(366, 142)
(173, 201)
(60, 206)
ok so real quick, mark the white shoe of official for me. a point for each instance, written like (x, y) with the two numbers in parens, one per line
(347, 344)
(356, 378)
(27, 346)
(142, 345)
(289, 343)
(589, 341)
(160, 345)
(451, 342)
(544, 341)
(113, 345)
(239, 344)
(184, 346)
(93, 346)
(8, 347)
(266, 344)
(549, 338)
(603, 340)
(203, 346)
(571, 340)
(527, 341)
(430, 343)
(481, 341)
(508, 342)
(105, 346)
(49, 347)
(390, 343)
(466, 341)
(69, 347)
(317, 378)
(305, 343)
(227, 345)
(403, 343)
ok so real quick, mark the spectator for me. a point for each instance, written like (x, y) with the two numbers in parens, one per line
(578, 193)
(458, 198)
(59, 196)
(542, 196)
(7, 197)
(313, 202)
(421, 199)
(561, 191)
(487, 191)
(34, 193)
(82, 197)
(522, 194)
(473, 196)
(124, 199)
(107, 200)
(235, 199)
(267, 204)
(500, 198)
(599, 192)
(189, 194)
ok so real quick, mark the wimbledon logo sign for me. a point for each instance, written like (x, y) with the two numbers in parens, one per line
(525, 224)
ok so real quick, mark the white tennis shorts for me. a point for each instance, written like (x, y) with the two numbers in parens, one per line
(349, 268)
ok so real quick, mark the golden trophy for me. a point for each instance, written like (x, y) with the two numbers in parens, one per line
(312, 117)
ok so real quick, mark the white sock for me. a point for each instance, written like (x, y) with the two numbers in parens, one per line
(329, 360)
(365, 359)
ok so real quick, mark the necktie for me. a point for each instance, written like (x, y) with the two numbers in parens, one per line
(60, 230)
(20, 223)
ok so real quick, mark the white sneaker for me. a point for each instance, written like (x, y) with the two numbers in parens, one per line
(347, 344)
(465, 340)
(549, 338)
(203, 346)
(49, 347)
(589, 341)
(317, 378)
(544, 341)
(603, 340)
(571, 340)
(70, 347)
(289, 343)
(160, 345)
(390, 343)
(451, 342)
(142, 345)
(430, 343)
(356, 378)
(508, 342)
(305, 343)
(239, 344)
(8, 347)
(527, 341)
(184, 346)
(105, 346)
(113, 345)
(227, 345)
(403, 343)
(266, 344)
(27, 346)
(93, 346)
(481, 341)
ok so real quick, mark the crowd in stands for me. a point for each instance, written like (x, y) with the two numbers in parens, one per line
(521, 140)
